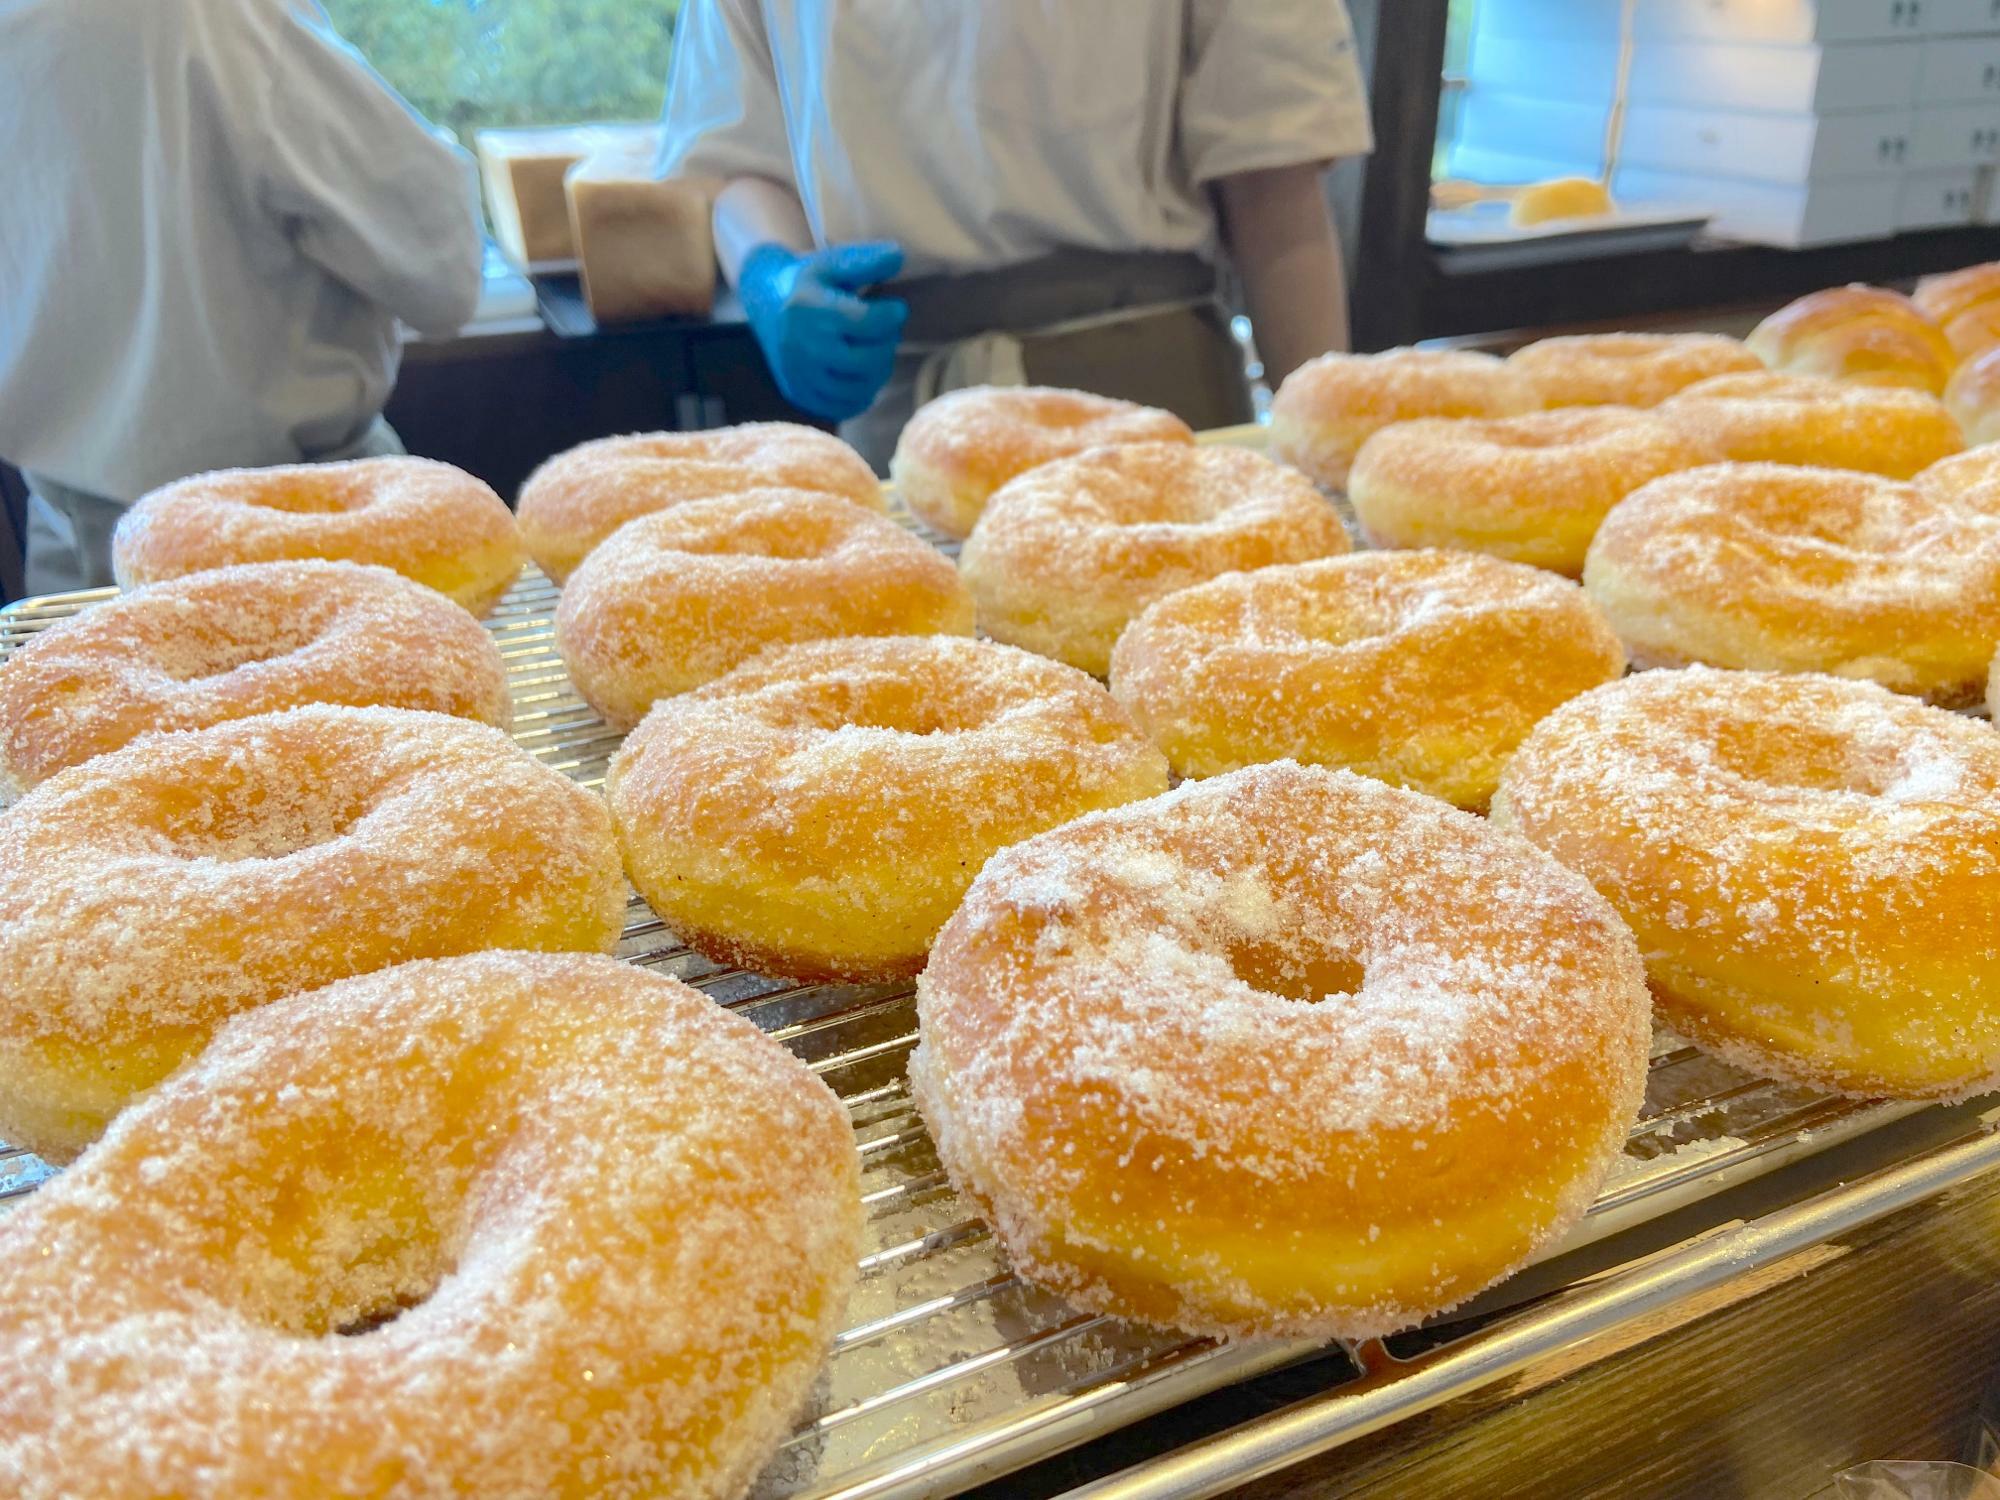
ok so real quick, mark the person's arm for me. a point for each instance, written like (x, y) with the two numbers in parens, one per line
(367, 189)
(753, 211)
(1280, 237)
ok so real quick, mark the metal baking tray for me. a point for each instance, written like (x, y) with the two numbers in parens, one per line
(952, 1370)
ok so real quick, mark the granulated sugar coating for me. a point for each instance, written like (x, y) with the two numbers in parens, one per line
(232, 642)
(1812, 867)
(1421, 669)
(957, 450)
(1531, 489)
(427, 520)
(1329, 406)
(1068, 553)
(1814, 420)
(673, 600)
(1772, 568)
(147, 895)
(820, 811)
(578, 498)
(1626, 369)
(1285, 1052)
(512, 1225)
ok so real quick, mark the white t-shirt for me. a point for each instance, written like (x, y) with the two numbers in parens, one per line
(216, 212)
(977, 133)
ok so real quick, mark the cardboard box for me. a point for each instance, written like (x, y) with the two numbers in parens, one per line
(1810, 79)
(1948, 196)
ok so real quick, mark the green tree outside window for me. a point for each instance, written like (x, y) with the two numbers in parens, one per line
(469, 64)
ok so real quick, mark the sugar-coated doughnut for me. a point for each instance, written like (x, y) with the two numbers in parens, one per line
(1560, 198)
(819, 811)
(1812, 420)
(149, 894)
(1973, 397)
(1530, 489)
(237, 641)
(1860, 333)
(957, 450)
(1288, 1052)
(1068, 553)
(1773, 568)
(1625, 369)
(1951, 294)
(673, 600)
(424, 519)
(1975, 331)
(578, 498)
(1811, 865)
(512, 1224)
(1328, 407)
(1421, 669)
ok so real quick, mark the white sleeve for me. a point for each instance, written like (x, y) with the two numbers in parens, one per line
(368, 189)
(723, 117)
(1270, 83)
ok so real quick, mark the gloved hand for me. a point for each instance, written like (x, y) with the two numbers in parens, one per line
(830, 349)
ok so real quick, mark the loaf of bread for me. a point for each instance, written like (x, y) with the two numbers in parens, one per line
(523, 171)
(643, 245)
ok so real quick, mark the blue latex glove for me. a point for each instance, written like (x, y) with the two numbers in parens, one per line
(830, 349)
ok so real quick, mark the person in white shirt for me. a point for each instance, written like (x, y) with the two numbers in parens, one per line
(1049, 184)
(217, 212)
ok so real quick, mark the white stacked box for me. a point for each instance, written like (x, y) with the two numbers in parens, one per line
(1797, 122)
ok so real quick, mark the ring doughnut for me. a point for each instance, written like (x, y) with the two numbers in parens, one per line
(150, 893)
(820, 810)
(676, 599)
(1421, 669)
(1811, 420)
(1811, 865)
(1121, 1062)
(509, 1224)
(1975, 331)
(1625, 369)
(1951, 294)
(1973, 396)
(1328, 407)
(578, 498)
(1530, 489)
(1859, 333)
(1068, 553)
(1782, 569)
(957, 450)
(249, 639)
(425, 520)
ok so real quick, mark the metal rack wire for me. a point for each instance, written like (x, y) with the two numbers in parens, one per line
(952, 1369)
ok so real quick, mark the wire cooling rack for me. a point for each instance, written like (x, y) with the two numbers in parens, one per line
(951, 1369)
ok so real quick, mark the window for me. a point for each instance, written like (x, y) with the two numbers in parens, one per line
(468, 64)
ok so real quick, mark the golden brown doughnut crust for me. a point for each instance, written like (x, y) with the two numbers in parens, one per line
(424, 519)
(1950, 294)
(1973, 397)
(1811, 866)
(1116, 1064)
(231, 642)
(1530, 489)
(1328, 407)
(149, 894)
(957, 450)
(1812, 420)
(1068, 553)
(1975, 331)
(1625, 369)
(1861, 333)
(819, 811)
(1421, 669)
(578, 498)
(1772, 568)
(676, 599)
(606, 1228)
